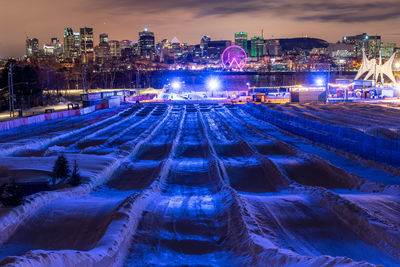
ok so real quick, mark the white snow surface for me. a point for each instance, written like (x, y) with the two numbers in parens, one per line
(173, 185)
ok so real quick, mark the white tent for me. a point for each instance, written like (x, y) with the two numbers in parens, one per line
(375, 69)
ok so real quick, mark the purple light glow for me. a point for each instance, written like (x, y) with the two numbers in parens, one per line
(234, 58)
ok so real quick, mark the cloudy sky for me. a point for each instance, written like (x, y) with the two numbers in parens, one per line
(189, 20)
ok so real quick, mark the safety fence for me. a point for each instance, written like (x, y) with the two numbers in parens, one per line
(343, 138)
(6, 125)
(140, 97)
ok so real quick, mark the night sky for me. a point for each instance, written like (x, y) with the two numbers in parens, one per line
(189, 20)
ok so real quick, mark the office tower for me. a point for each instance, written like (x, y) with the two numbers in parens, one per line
(257, 47)
(147, 44)
(71, 43)
(115, 48)
(103, 38)
(86, 38)
(216, 48)
(204, 45)
(32, 47)
(241, 40)
(371, 44)
(387, 49)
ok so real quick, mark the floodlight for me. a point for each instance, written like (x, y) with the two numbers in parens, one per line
(176, 85)
(213, 84)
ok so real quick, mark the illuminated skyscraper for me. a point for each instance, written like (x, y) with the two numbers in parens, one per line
(204, 45)
(125, 44)
(102, 51)
(241, 40)
(71, 43)
(147, 44)
(126, 49)
(86, 38)
(103, 38)
(371, 44)
(387, 49)
(115, 48)
(55, 42)
(32, 47)
(273, 47)
(216, 48)
(257, 47)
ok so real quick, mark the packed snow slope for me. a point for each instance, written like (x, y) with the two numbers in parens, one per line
(194, 185)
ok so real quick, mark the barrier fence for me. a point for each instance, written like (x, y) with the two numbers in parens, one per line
(6, 125)
(344, 138)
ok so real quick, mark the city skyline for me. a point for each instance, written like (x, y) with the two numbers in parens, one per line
(124, 19)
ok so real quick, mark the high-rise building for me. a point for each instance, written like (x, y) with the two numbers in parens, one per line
(55, 42)
(135, 49)
(241, 40)
(216, 48)
(77, 44)
(341, 50)
(86, 38)
(257, 47)
(371, 44)
(71, 43)
(164, 50)
(103, 38)
(147, 46)
(197, 53)
(115, 48)
(387, 49)
(273, 47)
(126, 49)
(204, 45)
(124, 44)
(49, 49)
(102, 50)
(32, 47)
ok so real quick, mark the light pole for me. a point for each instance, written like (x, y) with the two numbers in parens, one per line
(85, 90)
(213, 85)
(327, 84)
(11, 90)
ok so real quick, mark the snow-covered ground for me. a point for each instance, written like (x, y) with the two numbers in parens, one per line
(202, 185)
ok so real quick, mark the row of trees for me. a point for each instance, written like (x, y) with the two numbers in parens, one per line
(27, 86)
(53, 75)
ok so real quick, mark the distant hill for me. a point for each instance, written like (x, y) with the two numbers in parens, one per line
(302, 43)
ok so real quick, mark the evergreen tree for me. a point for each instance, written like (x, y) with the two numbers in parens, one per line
(60, 169)
(76, 178)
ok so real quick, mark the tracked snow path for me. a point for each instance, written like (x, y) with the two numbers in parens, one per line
(203, 185)
(186, 222)
(290, 238)
(48, 221)
(45, 141)
(55, 127)
(337, 160)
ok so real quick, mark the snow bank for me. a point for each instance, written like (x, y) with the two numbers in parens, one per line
(361, 222)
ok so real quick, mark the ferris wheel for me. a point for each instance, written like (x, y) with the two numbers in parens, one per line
(234, 58)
